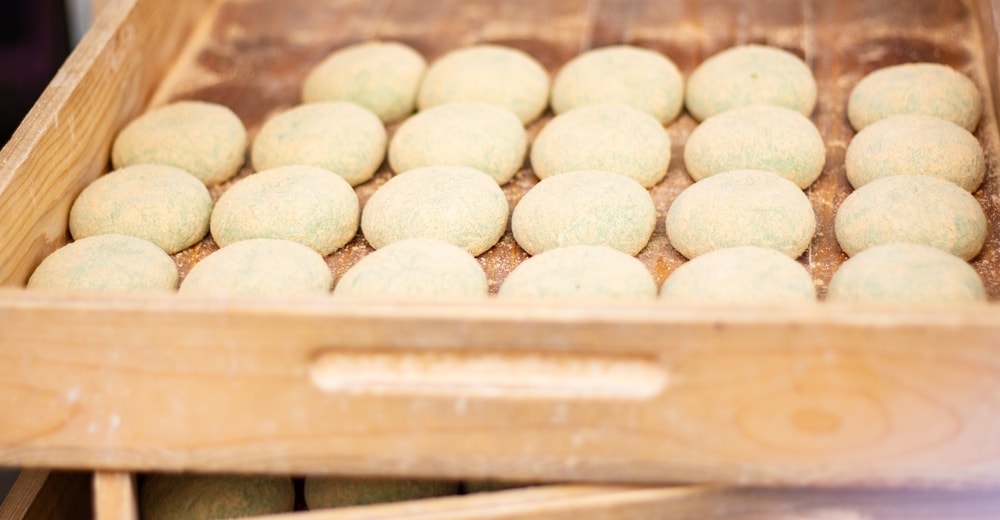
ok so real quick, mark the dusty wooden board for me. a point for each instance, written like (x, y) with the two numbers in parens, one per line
(633, 393)
(253, 57)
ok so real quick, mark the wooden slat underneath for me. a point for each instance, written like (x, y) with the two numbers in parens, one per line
(48, 495)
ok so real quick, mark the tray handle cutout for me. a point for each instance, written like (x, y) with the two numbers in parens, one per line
(452, 373)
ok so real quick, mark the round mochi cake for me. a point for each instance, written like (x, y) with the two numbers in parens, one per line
(165, 496)
(915, 144)
(382, 77)
(757, 137)
(633, 76)
(750, 75)
(305, 204)
(741, 208)
(584, 207)
(746, 274)
(931, 89)
(162, 204)
(915, 209)
(204, 139)
(905, 273)
(415, 268)
(490, 73)
(113, 263)
(341, 137)
(260, 266)
(580, 272)
(479, 135)
(328, 492)
(607, 137)
(458, 205)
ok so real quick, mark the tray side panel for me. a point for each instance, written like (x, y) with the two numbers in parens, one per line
(797, 397)
(64, 141)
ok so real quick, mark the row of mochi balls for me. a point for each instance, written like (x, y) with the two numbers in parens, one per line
(753, 152)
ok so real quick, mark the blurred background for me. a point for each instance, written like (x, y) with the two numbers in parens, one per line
(35, 38)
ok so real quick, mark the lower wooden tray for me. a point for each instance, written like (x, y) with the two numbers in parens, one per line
(111, 496)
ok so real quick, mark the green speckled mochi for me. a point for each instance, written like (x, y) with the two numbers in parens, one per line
(381, 76)
(582, 272)
(914, 209)
(931, 89)
(584, 207)
(304, 204)
(490, 73)
(260, 266)
(906, 273)
(341, 137)
(479, 135)
(741, 208)
(750, 75)
(415, 268)
(114, 263)
(747, 274)
(327, 492)
(757, 137)
(459, 205)
(162, 204)
(915, 144)
(640, 78)
(190, 496)
(613, 138)
(205, 139)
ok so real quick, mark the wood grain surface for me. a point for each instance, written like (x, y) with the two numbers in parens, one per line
(625, 503)
(840, 397)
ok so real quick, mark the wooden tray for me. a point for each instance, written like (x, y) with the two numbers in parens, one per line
(822, 395)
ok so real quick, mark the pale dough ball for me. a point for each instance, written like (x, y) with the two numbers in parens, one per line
(167, 206)
(205, 139)
(322, 492)
(931, 89)
(304, 204)
(106, 263)
(640, 78)
(750, 75)
(341, 137)
(580, 272)
(456, 204)
(746, 274)
(260, 266)
(613, 138)
(584, 207)
(757, 137)
(415, 268)
(479, 135)
(905, 273)
(489, 73)
(741, 208)
(915, 144)
(914, 209)
(381, 76)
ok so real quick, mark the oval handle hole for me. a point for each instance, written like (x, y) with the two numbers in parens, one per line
(489, 374)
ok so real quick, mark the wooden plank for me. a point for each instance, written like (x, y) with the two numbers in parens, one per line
(823, 395)
(64, 141)
(542, 503)
(48, 495)
(114, 496)
(619, 503)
